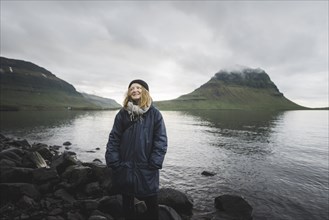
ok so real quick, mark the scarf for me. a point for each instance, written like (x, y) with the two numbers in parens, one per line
(135, 111)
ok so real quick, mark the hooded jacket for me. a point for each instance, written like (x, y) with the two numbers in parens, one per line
(135, 151)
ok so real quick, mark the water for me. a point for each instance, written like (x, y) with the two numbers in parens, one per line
(278, 161)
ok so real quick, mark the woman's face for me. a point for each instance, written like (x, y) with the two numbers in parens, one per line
(135, 91)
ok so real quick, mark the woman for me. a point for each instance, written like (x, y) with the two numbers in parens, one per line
(136, 149)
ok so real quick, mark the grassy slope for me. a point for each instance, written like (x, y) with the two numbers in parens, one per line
(217, 95)
(22, 100)
(27, 86)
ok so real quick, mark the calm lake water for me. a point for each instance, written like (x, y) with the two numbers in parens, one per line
(278, 161)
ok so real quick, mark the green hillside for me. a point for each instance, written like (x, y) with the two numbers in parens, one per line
(25, 85)
(238, 89)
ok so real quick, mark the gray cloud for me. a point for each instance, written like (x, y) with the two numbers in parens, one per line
(100, 46)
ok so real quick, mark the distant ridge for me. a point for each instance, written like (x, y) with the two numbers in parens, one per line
(100, 101)
(25, 85)
(236, 88)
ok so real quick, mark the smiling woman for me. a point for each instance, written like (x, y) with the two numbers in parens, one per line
(136, 149)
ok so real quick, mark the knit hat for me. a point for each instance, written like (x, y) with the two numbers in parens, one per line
(141, 82)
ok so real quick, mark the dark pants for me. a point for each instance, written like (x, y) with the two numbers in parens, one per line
(129, 211)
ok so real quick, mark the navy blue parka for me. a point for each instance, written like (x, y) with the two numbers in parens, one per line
(135, 151)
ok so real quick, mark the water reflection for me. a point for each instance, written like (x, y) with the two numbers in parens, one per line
(32, 119)
(238, 119)
(241, 132)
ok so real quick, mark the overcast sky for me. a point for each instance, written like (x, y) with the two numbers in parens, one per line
(175, 46)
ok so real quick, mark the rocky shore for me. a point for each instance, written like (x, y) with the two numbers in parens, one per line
(40, 182)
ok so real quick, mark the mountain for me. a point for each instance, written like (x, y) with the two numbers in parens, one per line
(25, 85)
(100, 101)
(239, 88)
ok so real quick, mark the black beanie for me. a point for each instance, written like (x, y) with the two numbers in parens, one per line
(141, 82)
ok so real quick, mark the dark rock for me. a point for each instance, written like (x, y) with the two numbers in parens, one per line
(76, 175)
(7, 163)
(56, 211)
(93, 189)
(168, 213)
(64, 195)
(38, 214)
(234, 206)
(97, 161)
(63, 161)
(2, 137)
(45, 187)
(179, 201)
(6, 210)
(207, 173)
(111, 205)
(37, 160)
(24, 216)
(74, 215)
(67, 143)
(55, 147)
(51, 203)
(42, 175)
(97, 148)
(87, 206)
(140, 206)
(55, 218)
(71, 153)
(26, 203)
(13, 154)
(43, 150)
(98, 215)
(102, 174)
(14, 191)
(20, 143)
(16, 175)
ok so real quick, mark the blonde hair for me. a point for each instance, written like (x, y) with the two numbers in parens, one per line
(144, 102)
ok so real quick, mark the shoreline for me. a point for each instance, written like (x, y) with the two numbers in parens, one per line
(40, 182)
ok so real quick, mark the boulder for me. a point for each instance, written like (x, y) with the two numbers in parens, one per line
(36, 160)
(7, 163)
(111, 205)
(168, 213)
(178, 200)
(14, 191)
(13, 154)
(64, 161)
(98, 215)
(87, 206)
(75, 215)
(16, 175)
(93, 189)
(76, 175)
(67, 143)
(97, 161)
(234, 206)
(64, 195)
(24, 144)
(43, 150)
(207, 173)
(42, 175)
(102, 174)
(26, 203)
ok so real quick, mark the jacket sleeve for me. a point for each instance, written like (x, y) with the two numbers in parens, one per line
(159, 147)
(112, 155)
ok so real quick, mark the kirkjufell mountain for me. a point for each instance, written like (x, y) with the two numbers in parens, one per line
(237, 88)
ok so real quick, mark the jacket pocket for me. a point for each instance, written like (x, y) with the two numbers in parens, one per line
(147, 181)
